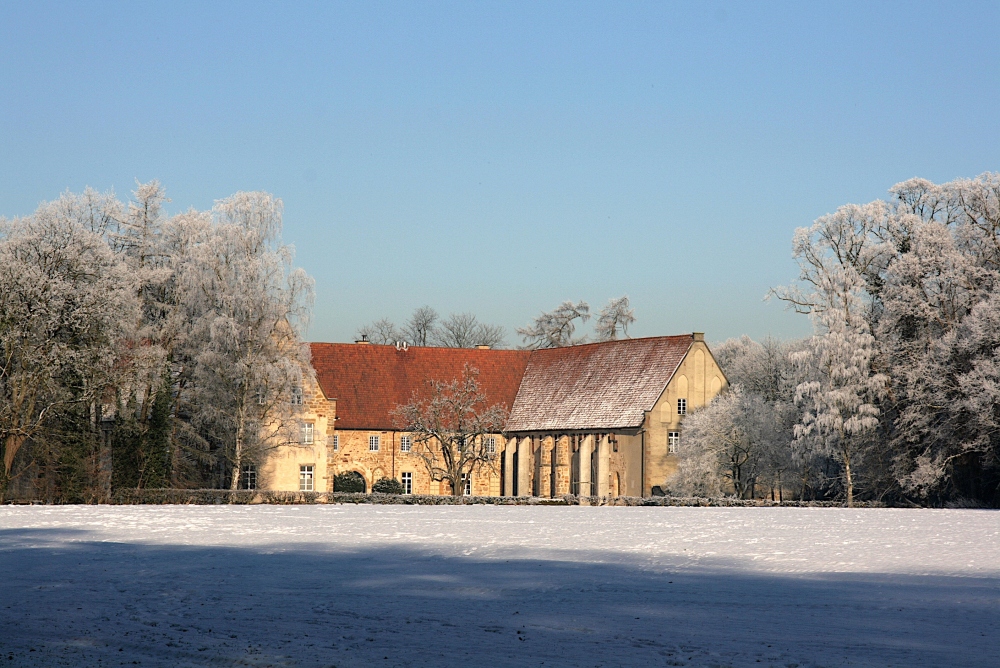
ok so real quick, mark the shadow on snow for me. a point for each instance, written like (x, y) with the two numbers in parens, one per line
(65, 600)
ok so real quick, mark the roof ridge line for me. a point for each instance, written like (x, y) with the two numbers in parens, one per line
(603, 343)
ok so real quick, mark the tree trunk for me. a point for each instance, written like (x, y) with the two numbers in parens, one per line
(850, 480)
(237, 460)
(11, 445)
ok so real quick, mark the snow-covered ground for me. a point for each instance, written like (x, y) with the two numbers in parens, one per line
(497, 586)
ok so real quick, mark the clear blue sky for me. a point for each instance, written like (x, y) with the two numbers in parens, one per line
(502, 157)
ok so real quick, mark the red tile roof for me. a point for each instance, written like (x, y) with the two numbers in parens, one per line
(596, 386)
(369, 381)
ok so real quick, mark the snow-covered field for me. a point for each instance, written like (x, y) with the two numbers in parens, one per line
(497, 586)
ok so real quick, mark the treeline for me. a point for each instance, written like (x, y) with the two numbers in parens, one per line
(896, 397)
(143, 351)
(551, 329)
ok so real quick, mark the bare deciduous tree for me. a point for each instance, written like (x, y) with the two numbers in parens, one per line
(450, 428)
(463, 330)
(381, 332)
(420, 328)
(459, 330)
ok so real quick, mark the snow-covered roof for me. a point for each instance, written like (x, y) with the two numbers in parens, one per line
(596, 386)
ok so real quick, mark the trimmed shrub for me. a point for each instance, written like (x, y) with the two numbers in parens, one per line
(387, 486)
(350, 482)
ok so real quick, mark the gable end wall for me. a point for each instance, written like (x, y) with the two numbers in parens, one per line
(698, 379)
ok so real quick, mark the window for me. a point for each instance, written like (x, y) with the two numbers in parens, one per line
(296, 399)
(336, 442)
(308, 434)
(467, 484)
(306, 478)
(405, 443)
(490, 444)
(673, 440)
(407, 479)
(248, 477)
(373, 443)
(261, 396)
(682, 406)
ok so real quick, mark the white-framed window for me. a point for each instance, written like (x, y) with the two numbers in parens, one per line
(490, 444)
(673, 441)
(405, 443)
(682, 406)
(374, 442)
(467, 484)
(406, 478)
(336, 442)
(308, 433)
(306, 478)
(248, 477)
(261, 396)
(296, 398)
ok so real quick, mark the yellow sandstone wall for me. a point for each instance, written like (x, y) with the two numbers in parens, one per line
(280, 470)
(698, 379)
(354, 454)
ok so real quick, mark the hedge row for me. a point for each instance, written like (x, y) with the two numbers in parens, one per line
(221, 496)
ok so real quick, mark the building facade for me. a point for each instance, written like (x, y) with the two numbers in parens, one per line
(600, 419)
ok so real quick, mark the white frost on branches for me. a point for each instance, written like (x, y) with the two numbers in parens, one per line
(614, 319)
(248, 308)
(554, 329)
(105, 304)
(66, 307)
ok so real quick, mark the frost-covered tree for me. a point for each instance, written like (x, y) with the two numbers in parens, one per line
(614, 319)
(145, 397)
(450, 428)
(766, 370)
(841, 399)
(733, 445)
(841, 258)
(894, 282)
(763, 368)
(555, 328)
(248, 308)
(67, 304)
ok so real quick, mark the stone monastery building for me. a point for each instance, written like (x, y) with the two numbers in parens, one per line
(600, 419)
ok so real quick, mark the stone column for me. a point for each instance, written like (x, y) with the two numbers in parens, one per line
(508, 467)
(603, 465)
(546, 450)
(564, 461)
(586, 452)
(524, 466)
